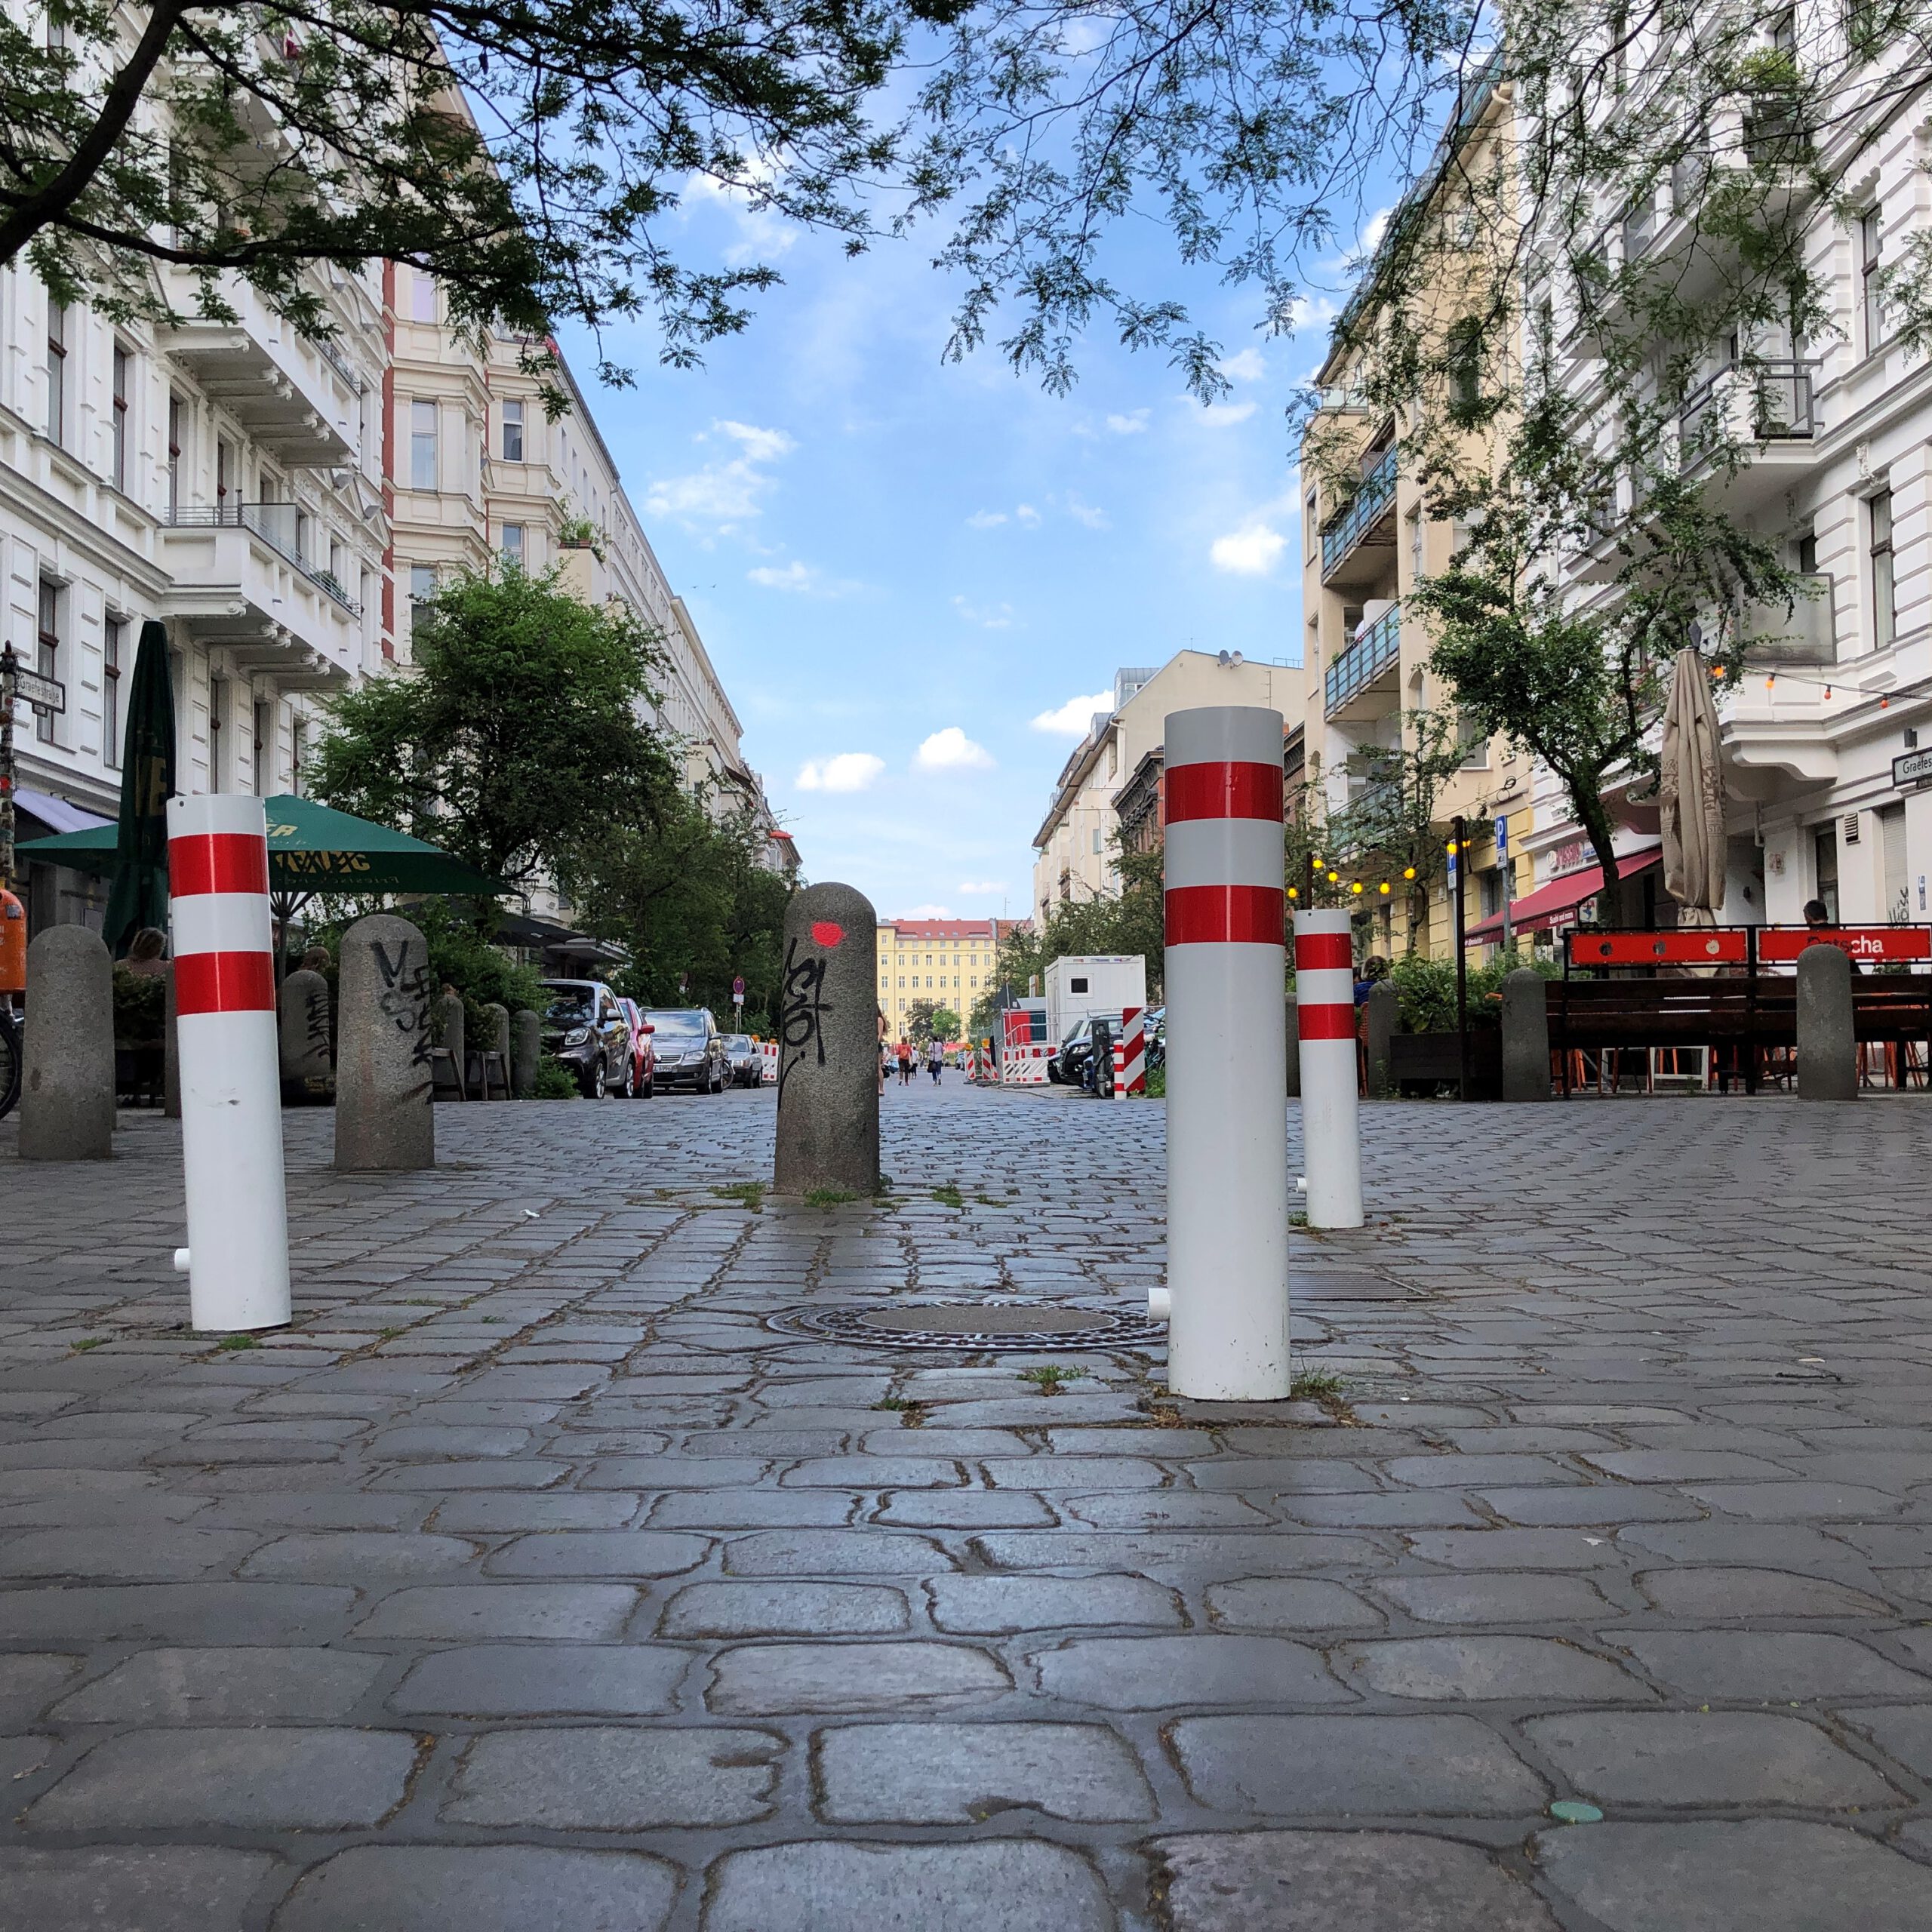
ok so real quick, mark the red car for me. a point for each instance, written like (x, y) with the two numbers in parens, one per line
(643, 1081)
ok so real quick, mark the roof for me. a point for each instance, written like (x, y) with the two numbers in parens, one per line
(1564, 895)
(949, 928)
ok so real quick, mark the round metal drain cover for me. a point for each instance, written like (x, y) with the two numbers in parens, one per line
(1014, 1326)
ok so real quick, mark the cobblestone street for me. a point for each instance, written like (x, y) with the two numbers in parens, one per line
(533, 1581)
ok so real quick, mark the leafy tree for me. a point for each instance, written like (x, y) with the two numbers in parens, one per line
(944, 1024)
(685, 894)
(919, 1018)
(1131, 922)
(515, 742)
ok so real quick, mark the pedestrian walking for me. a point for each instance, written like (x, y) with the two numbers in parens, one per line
(905, 1056)
(935, 1059)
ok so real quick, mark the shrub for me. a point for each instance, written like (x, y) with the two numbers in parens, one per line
(554, 1081)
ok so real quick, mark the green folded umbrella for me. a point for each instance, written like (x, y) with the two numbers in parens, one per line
(138, 897)
(311, 849)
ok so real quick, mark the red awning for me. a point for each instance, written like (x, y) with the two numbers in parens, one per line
(1548, 904)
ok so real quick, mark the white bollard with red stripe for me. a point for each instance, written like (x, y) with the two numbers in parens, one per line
(1227, 1057)
(237, 1256)
(1330, 1120)
(1131, 1055)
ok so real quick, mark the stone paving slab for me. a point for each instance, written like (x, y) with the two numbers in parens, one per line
(530, 1579)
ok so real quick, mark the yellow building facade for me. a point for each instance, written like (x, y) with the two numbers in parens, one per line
(951, 962)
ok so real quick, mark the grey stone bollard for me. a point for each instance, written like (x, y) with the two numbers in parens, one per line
(447, 1025)
(382, 1119)
(1827, 1046)
(1525, 1036)
(1380, 1025)
(527, 1036)
(1294, 1049)
(304, 1037)
(495, 1039)
(67, 1057)
(170, 1066)
(828, 1045)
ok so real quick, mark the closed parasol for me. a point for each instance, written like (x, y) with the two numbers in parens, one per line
(1691, 794)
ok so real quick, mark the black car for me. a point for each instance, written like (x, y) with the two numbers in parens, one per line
(1068, 1067)
(743, 1058)
(586, 1028)
(691, 1051)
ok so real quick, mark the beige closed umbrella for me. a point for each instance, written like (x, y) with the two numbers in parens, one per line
(1691, 794)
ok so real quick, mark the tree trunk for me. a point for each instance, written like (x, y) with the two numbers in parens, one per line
(1596, 822)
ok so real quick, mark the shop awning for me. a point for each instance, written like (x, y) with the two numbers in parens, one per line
(1543, 907)
(55, 813)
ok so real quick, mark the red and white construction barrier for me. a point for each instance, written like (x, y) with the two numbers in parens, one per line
(1227, 1058)
(237, 1257)
(1025, 1066)
(768, 1052)
(1131, 1055)
(1331, 1122)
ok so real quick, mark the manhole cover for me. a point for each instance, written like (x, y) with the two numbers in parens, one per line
(1343, 1284)
(1024, 1327)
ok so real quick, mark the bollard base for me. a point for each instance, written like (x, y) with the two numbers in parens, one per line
(180, 1261)
(1160, 1305)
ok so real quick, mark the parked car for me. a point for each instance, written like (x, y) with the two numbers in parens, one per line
(690, 1053)
(584, 1027)
(1068, 1067)
(644, 1054)
(744, 1060)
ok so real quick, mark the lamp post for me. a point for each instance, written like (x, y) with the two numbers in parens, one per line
(1459, 846)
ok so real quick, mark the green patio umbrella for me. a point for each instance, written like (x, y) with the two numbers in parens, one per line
(311, 849)
(139, 853)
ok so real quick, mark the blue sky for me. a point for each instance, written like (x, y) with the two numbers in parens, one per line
(908, 572)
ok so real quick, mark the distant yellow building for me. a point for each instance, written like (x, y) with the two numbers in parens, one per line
(949, 961)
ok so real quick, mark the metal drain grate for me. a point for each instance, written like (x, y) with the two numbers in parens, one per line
(976, 1327)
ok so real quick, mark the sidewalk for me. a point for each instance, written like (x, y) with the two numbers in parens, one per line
(534, 1581)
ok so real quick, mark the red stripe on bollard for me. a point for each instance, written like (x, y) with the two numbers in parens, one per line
(224, 982)
(1225, 915)
(1223, 791)
(216, 862)
(1326, 1022)
(1316, 950)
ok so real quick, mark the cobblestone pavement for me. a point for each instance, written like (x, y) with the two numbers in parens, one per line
(532, 1581)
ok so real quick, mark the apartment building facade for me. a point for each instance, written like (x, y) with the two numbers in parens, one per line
(951, 962)
(1108, 793)
(280, 504)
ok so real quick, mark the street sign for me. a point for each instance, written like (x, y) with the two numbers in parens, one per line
(43, 694)
(1502, 838)
(1915, 768)
(738, 992)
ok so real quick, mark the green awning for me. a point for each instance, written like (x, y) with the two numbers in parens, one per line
(311, 849)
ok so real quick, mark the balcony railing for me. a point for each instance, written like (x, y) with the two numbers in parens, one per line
(1346, 531)
(1782, 407)
(1377, 646)
(1805, 634)
(278, 525)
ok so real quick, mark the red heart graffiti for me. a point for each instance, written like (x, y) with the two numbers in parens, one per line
(825, 934)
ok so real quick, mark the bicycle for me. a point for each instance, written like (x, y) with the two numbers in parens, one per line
(10, 1060)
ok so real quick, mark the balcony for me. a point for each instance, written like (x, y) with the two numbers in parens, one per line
(1375, 647)
(239, 581)
(300, 399)
(1358, 544)
(1806, 634)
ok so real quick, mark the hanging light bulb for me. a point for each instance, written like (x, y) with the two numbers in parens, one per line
(1335, 879)
(1771, 680)
(1355, 887)
(1884, 704)
(1828, 692)
(1384, 888)
(1408, 872)
(1294, 892)
(1451, 848)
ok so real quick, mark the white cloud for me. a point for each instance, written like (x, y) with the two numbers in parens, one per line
(981, 888)
(1251, 551)
(725, 493)
(952, 750)
(1128, 426)
(927, 912)
(986, 519)
(1027, 515)
(1072, 719)
(1374, 229)
(848, 771)
(805, 579)
(1247, 365)
(988, 616)
(1084, 513)
(1225, 415)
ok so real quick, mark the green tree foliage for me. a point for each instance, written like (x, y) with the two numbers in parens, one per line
(1131, 922)
(942, 1024)
(515, 741)
(685, 894)
(919, 1018)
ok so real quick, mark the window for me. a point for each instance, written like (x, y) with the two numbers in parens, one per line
(177, 411)
(124, 377)
(217, 720)
(1096, 838)
(422, 296)
(1314, 527)
(113, 641)
(512, 544)
(1825, 858)
(224, 468)
(1884, 590)
(56, 370)
(264, 752)
(422, 445)
(512, 432)
(1870, 228)
(50, 653)
(298, 753)
(1807, 553)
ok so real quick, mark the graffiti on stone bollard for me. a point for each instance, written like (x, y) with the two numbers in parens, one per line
(405, 999)
(803, 1005)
